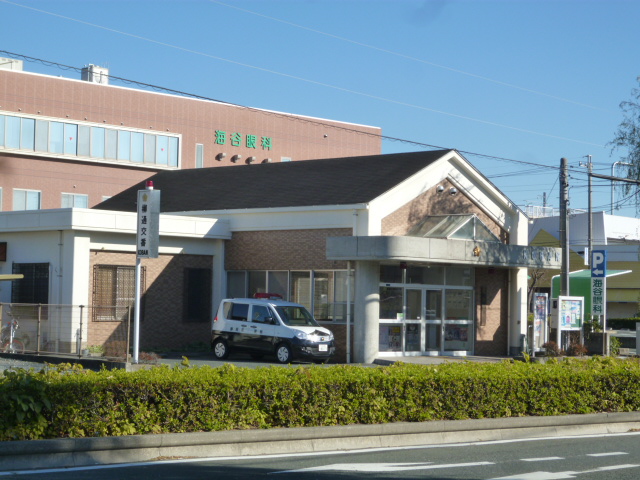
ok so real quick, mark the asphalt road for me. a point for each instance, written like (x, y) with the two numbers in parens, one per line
(601, 457)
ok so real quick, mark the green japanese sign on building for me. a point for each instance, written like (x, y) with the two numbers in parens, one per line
(237, 139)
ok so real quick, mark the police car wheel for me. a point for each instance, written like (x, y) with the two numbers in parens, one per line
(220, 349)
(283, 353)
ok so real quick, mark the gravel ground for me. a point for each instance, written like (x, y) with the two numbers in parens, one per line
(8, 362)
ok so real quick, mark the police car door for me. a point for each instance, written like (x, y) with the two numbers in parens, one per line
(261, 328)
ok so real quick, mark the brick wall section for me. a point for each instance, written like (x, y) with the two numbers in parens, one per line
(162, 325)
(491, 318)
(433, 203)
(282, 250)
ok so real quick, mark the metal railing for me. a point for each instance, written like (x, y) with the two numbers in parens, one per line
(74, 330)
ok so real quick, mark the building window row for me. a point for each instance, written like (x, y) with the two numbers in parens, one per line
(32, 200)
(76, 140)
(323, 292)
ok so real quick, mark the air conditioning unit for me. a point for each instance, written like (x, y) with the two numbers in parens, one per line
(95, 74)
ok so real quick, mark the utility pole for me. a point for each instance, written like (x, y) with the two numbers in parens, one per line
(587, 254)
(564, 226)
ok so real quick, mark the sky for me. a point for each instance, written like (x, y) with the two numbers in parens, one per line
(514, 85)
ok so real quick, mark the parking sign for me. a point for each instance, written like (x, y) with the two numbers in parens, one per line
(598, 282)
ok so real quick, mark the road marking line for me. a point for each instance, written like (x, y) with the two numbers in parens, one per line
(541, 459)
(607, 454)
(381, 467)
(611, 467)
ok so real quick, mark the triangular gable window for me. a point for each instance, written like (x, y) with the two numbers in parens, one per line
(463, 227)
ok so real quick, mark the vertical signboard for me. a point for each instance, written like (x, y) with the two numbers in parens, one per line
(148, 223)
(540, 313)
(599, 283)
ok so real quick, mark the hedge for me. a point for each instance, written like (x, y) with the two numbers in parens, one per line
(67, 401)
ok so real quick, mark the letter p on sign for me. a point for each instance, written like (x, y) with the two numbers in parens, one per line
(598, 263)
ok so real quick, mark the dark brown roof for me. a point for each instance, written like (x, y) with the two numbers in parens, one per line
(334, 181)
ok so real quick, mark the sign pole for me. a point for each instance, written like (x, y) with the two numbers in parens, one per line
(136, 313)
(148, 238)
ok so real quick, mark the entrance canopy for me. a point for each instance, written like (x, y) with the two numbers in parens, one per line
(442, 250)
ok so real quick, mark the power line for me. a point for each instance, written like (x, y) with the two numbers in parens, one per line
(196, 52)
(408, 57)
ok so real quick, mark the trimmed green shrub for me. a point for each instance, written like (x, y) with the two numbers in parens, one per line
(68, 401)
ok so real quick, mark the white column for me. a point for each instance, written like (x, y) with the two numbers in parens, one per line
(366, 311)
(517, 309)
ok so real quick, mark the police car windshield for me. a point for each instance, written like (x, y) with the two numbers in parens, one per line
(293, 315)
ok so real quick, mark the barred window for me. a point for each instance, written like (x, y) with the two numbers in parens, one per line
(114, 291)
(34, 287)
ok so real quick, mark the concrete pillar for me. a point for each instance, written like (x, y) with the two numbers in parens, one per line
(517, 309)
(366, 311)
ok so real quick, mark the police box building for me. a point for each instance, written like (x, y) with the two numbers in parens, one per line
(399, 254)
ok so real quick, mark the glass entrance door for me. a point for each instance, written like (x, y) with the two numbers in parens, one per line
(433, 322)
(413, 320)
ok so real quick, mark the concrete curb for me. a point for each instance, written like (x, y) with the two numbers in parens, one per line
(74, 452)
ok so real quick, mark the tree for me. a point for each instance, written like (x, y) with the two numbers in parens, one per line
(627, 138)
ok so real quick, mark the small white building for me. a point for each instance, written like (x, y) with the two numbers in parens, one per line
(412, 254)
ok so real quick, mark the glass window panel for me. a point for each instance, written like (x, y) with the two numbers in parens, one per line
(433, 309)
(124, 145)
(84, 140)
(458, 305)
(390, 338)
(257, 282)
(433, 334)
(42, 136)
(278, 282)
(390, 274)
(2, 129)
(300, 288)
(236, 285)
(414, 304)
(173, 152)
(26, 199)
(111, 144)
(412, 337)
(28, 134)
(81, 201)
(70, 139)
(460, 276)
(137, 147)
(340, 295)
(12, 134)
(162, 154)
(67, 200)
(97, 142)
(19, 200)
(322, 294)
(465, 232)
(391, 303)
(33, 200)
(56, 137)
(149, 148)
(199, 155)
(458, 337)
(429, 275)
